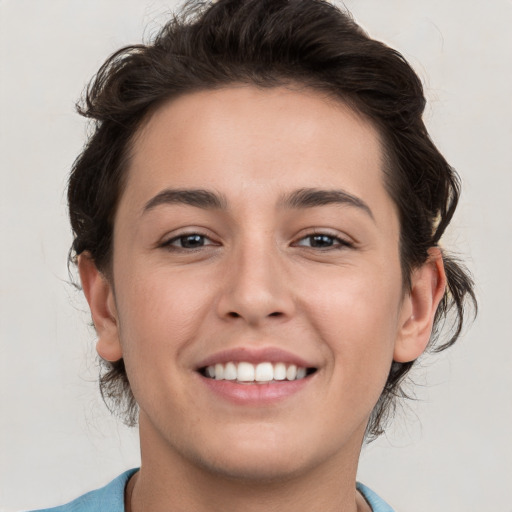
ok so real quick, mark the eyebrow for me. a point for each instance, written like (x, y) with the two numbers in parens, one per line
(313, 197)
(298, 199)
(199, 198)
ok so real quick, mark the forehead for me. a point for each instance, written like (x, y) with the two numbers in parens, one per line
(245, 140)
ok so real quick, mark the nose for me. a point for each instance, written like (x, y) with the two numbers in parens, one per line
(256, 287)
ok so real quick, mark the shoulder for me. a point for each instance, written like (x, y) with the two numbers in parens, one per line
(107, 499)
(375, 501)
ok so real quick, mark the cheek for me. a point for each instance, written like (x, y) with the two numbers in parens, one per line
(159, 314)
(160, 317)
(356, 300)
(356, 314)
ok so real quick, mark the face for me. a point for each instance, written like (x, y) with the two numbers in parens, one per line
(255, 236)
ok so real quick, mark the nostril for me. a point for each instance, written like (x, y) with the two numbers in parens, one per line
(234, 314)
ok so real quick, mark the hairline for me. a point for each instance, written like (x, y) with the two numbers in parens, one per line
(326, 91)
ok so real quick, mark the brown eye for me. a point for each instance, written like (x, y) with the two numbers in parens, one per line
(322, 241)
(188, 241)
(191, 241)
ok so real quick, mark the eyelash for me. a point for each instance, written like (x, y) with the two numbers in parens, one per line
(336, 243)
(168, 244)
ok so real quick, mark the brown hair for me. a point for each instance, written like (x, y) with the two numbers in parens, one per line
(268, 43)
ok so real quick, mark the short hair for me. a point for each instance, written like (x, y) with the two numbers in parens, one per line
(268, 43)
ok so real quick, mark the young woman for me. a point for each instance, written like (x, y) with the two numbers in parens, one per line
(256, 224)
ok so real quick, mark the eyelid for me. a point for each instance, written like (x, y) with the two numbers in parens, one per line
(168, 241)
(343, 241)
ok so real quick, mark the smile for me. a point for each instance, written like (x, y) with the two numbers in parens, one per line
(264, 372)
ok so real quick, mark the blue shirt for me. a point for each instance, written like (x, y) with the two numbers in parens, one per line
(111, 498)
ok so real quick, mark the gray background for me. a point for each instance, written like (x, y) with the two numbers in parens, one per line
(449, 451)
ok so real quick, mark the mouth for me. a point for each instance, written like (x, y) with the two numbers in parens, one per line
(261, 373)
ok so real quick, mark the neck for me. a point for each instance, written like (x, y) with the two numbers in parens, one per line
(168, 480)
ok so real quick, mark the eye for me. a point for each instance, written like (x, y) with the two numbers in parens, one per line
(188, 241)
(323, 241)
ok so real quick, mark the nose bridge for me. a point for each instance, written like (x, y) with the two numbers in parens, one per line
(256, 286)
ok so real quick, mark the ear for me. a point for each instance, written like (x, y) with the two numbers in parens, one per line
(428, 284)
(99, 294)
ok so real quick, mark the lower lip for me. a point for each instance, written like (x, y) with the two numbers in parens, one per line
(255, 394)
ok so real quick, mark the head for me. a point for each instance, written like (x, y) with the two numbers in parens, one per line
(299, 45)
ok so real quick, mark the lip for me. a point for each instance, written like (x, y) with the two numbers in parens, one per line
(255, 394)
(255, 356)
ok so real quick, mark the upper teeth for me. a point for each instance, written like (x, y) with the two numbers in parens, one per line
(262, 372)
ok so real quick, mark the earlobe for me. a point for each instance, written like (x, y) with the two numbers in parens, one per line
(100, 297)
(428, 284)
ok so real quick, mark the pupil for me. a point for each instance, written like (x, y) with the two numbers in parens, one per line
(192, 241)
(321, 241)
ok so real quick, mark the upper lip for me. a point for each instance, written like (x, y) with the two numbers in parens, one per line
(254, 356)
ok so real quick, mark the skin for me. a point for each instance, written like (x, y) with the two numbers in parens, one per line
(258, 281)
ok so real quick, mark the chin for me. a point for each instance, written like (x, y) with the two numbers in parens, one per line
(262, 458)
(263, 469)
